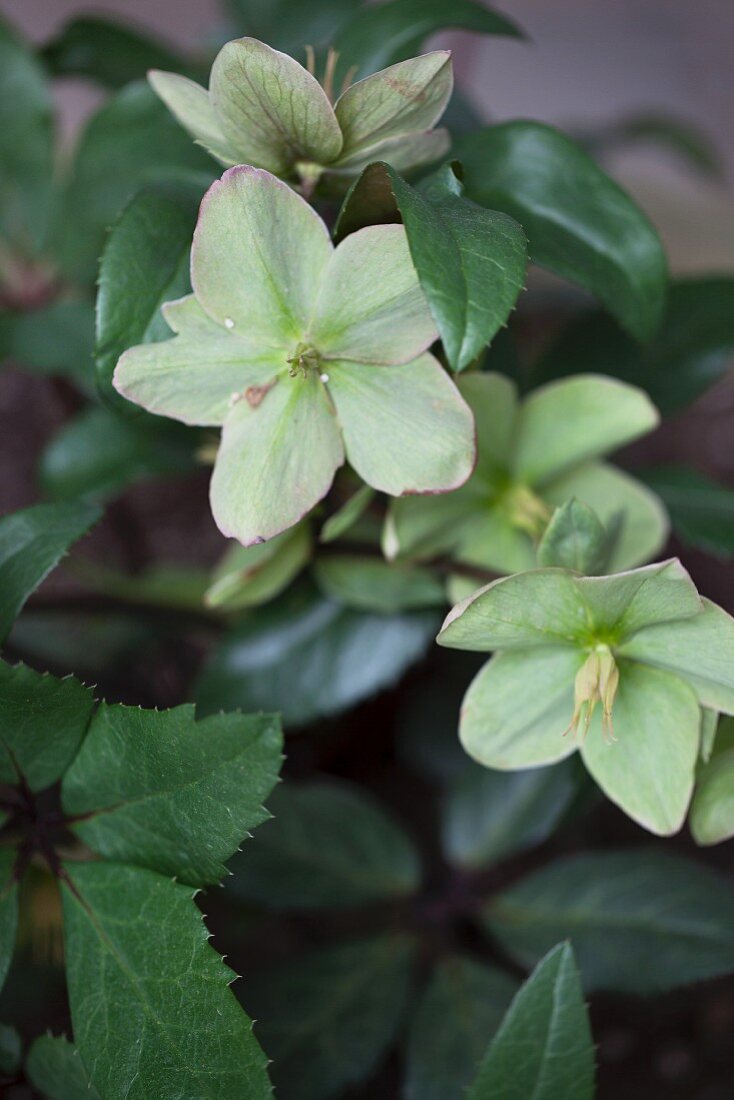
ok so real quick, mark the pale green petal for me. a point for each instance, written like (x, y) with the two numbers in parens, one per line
(491, 541)
(649, 770)
(258, 253)
(712, 811)
(195, 376)
(493, 400)
(276, 460)
(566, 422)
(700, 649)
(406, 429)
(270, 109)
(249, 576)
(404, 153)
(626, 602)
(370, 306)
(421, 527)
(190, 104)
(517, 708)
(411, 95)
(610, 491)
(543, 607)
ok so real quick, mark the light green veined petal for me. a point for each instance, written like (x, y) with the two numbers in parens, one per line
(190, 104)
(610, 491)
(422, 527)
(276, 460)
(648, 771)
(543, 607)
(370, 307)
(699, 649)
(577, 418)
(194, 376)
(626, 602)
(491, 541)
(493, 400)
(258, 254)
(404, 153)
(712, 810)
(406, 429)
(518, 706)
(270, 109)
(411, 95)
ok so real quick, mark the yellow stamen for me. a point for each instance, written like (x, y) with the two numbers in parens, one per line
(596, 681)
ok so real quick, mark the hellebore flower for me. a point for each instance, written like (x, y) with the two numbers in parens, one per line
(531, 457)
(264, 109)
(302, 351)
(617, 668)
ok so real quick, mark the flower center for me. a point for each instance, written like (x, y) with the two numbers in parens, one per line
(596, 682)
(304, 359)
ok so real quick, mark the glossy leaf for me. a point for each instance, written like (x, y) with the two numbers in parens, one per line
(32, 542)
(544, 1047)
(377, 37)
(286, 25)
(370, 584)
(701, 510)
(640, 922)
(160, 790)
(327, 1017)
(580, 224)
(42, 724)
(456, 1017)
(108, 52)
(8, 911)
(57, 1071)
(308, 657)
(171, 1024)
(328, 845)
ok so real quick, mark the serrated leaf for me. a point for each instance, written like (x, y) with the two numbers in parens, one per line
(162, 791)
(701, 509)
(370, 584)
(42, 724)
(470, 261)
(8, 912)
(305, 657)
(639, 921)
(457, 1015)
(328, 1017)
(108, 52)
(171, 1026)
(56, 1070)
(490, 815)
(544, 1047)
(379, 36)
(328, 845)
(32, 542)
(579, 222)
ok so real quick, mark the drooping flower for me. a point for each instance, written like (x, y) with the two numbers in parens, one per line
(264, 109)
(638, 654)
(531, 457)
(303, 353)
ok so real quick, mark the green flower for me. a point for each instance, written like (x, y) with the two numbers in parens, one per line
(264, 109)
(617, 668)
(532, 457)
(303, 353)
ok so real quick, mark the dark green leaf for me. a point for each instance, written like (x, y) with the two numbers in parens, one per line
(171, 1027)
(108, 52)
(8, 912)
(326, 1018)
(145, 263)
(489, 815)
(99, 453)
(56, 1070)
(289, 24)
(470, 261)
(130, 142)
(26, 147)
(308, 657)
(328, 845)
(42, 724)
(57, 339)
(32, 543)
(160, 790)
(11, 1050)
(693, 349)
(574, 539)
(640, 922)
(371, 584)
(85, 642)
(544, 1047)
(381, 34)
(458, 1014)
(702, 510)
(579, 222)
